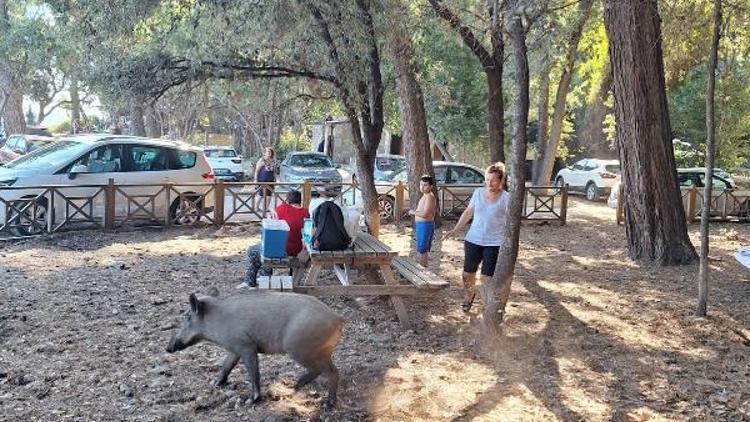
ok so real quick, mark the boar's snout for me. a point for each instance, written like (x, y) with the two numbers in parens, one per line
(174, 345)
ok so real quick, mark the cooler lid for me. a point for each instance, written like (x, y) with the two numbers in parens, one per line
(269, 224)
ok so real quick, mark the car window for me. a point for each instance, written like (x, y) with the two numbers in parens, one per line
(104, 159)
(579, 165)
(10, 145)
(20, 145)
(390, 163)
(590, 165)
(220, 153)
(719, 183)
(147, 158)
(465, 175)
(310, 161)
(686, 180)
(612, 168)
(56, 155)
(441, 174)
(182, 159)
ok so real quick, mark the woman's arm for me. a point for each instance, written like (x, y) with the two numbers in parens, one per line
(258, 166)
(465, 217)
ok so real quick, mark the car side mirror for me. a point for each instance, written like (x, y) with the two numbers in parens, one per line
(76, 170)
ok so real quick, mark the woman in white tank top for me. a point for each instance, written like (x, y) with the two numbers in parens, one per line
(489, 208)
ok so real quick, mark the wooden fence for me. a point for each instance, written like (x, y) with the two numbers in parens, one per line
(49, 209)
(725, 205)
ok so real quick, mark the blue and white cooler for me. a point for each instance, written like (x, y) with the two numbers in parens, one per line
(273, 237)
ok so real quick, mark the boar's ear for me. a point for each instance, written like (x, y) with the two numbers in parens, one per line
(196, 306)
(213, 291)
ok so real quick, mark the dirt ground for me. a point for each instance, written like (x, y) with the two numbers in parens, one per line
(589, 335)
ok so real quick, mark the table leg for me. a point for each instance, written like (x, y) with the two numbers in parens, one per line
(312, 276)
(398, 302)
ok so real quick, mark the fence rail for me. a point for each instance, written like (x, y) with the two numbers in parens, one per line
(725, 205)
(32, 210)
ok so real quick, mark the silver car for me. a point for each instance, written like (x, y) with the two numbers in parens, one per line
(315, 167)
(456, 183)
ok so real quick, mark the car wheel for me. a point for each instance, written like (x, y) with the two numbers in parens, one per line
(32, 221)
(187, 213)
(592, 192)
(387, 207)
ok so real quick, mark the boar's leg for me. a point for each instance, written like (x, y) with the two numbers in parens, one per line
(305, 379)
(229, 363)
(250, 359)
(315, 368)
(332, 376)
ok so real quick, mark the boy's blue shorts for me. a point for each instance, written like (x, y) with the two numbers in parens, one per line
(424, 231)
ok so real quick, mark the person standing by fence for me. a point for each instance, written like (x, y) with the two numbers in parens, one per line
(265, 171)
(489, 208)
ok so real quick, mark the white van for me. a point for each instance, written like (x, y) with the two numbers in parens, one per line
(89, 161)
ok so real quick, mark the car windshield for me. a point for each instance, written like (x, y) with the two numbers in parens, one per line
(53, 155)
(220, 153)
(394, 164)
(612, 168)
(311, 161)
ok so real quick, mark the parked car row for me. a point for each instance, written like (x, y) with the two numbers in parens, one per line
(90, 160)
(18, 145)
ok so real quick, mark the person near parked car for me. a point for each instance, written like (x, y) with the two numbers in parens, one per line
(265, 171)
(424, 226)
(294, 214)
(489, 208)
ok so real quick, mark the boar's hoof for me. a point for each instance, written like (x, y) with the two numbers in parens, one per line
(219, 382)
(255, 399)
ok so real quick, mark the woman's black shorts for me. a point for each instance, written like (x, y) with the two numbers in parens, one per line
(474, 254)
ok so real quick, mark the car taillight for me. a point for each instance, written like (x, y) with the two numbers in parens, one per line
(607, 175)
(236, 160)
(209, 175)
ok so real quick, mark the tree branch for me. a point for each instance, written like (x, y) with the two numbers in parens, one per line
(471, 41)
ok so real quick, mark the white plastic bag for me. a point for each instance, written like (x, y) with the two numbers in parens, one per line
(351, 220)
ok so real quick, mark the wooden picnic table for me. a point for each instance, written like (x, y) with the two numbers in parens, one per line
(372, 258)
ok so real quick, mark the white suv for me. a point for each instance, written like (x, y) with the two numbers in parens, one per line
(226, 163)
(89, 161)
(591, 176)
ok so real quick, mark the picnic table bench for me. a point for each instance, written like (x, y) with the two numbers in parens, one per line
(373, 259)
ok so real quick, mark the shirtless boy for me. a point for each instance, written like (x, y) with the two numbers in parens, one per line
(424, 226)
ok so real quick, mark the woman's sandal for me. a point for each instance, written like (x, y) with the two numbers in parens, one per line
(467, 303)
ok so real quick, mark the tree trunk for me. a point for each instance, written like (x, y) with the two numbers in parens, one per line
(411, 103)
(492, 65)
(543, 121)
(13, 117)
(593, 132)
(710, 158)
(152, 124)
(75, 106)
(497, 291)
(563, 87)
(137, 126)
(654, 218)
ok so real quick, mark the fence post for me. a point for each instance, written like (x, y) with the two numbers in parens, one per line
(564, 205)
(109, 205)
(306, 194)
(168, 193)
(219, 203)
(692, 195)
(398, 207)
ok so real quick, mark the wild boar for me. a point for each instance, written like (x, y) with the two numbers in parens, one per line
(265, 322)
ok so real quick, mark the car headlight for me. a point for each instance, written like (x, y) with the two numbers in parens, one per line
(7, 182)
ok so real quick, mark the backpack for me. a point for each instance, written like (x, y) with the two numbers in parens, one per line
(330, 233)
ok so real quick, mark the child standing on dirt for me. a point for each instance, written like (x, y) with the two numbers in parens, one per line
(424, 215)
